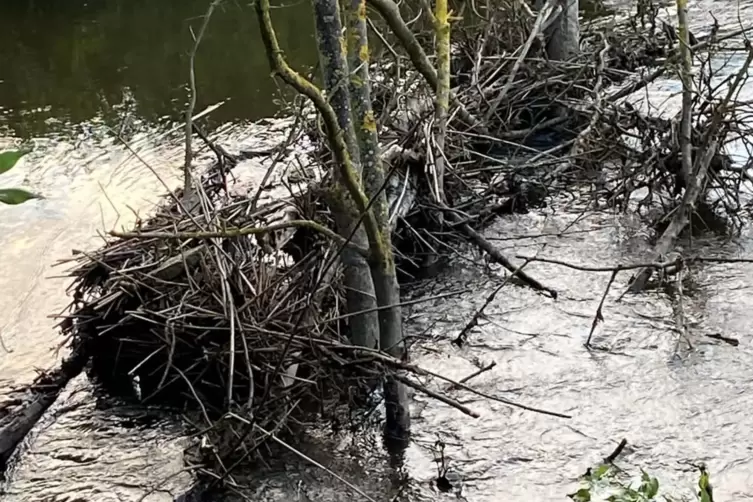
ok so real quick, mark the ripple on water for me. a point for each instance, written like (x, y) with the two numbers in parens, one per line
(672, 410)
(669, 410)
(97, 451)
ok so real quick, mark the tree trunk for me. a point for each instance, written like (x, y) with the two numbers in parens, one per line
(360, 294)
(442, 99)
(382, 267)
(348, 191)
(686, 76)
(563, 36)
(24, 407)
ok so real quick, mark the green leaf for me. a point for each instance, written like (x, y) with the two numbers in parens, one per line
(9, 159)
(600, 471)
(16, 196)
(705, 486)
(653, 488)
(582, 495)
(649, 486)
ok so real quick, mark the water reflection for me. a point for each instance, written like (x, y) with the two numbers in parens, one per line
(72, 61)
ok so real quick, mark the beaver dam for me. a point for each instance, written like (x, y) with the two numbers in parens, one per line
(232, 304)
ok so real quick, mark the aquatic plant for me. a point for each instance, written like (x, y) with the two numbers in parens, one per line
(13, 196)
(602, 483)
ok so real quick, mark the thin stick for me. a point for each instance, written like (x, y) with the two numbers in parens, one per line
(682, 326)
(315, 463)
(420, 370)
(239, 232)
(497, 256)
(401, 304)
(606, 268)
(391, 361)
(474, 374)
(537, 28)
(187, 184)
(609, 459)
(599, 317)
(436, 395)
(463, 335)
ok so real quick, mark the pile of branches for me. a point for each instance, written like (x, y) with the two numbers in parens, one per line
(525, 125)
(245, 328)
(245, 332)
(519, 121)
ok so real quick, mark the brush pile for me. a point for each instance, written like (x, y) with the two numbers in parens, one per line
(583, 125)
(218, 325)
(246, 330)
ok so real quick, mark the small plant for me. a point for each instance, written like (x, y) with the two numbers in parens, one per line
(602, 481)
(13, 195)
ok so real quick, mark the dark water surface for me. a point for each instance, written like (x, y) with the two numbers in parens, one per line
(71, 71)
(73, 61)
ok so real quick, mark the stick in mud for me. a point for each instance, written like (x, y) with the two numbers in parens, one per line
(599, 316)
(609, 459)
(463, 335)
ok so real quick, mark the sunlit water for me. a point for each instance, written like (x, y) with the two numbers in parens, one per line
(73, 73)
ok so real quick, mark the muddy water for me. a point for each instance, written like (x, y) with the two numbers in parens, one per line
(672, 404)
(72, 71)
(92, 449)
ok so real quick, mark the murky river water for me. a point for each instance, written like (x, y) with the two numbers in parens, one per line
(71, 70)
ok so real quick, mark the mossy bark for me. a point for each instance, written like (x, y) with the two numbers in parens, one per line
(382, 264)
(442, 99)
(360, 294)
(349, 191)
